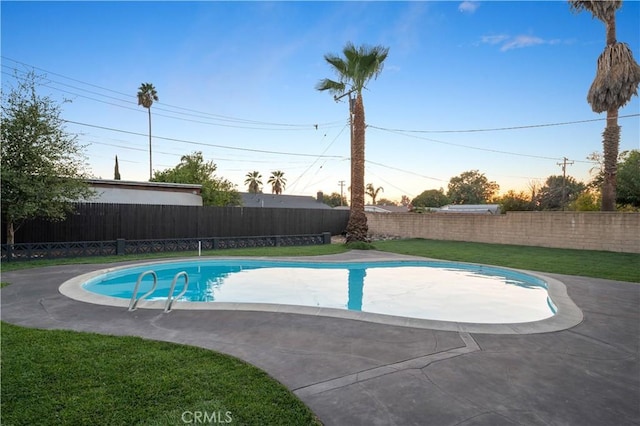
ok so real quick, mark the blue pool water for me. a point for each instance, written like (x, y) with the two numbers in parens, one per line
(443, 291)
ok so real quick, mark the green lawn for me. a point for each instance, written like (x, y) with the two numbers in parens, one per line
(587, 263)
(258, 251)
(597, 264)
(69, 378)
(64, 377)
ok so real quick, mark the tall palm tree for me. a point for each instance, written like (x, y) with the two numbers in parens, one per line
(617, 79)
(373, 192)
(354, 70)
(146, 95)
(277, 181)
(254, 180)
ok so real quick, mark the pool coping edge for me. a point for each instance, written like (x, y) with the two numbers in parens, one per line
(568, 314)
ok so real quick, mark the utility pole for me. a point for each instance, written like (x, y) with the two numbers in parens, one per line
(565, 162)
(341, 183)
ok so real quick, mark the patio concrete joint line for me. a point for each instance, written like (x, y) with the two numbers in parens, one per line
(470, 345)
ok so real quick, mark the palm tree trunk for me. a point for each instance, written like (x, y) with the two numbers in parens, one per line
(610, 142)
(150, 161)
(357, 228)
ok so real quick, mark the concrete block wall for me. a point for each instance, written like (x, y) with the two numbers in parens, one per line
(607, 231)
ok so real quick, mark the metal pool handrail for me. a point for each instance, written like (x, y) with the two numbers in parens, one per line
(133, 304)
(170, 298)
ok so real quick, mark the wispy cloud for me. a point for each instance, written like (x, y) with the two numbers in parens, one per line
(521, 41)
(468, 6)
(405, 33)
(494, 39)
(508, 42)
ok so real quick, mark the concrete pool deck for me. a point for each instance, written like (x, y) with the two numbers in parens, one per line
(353, 372)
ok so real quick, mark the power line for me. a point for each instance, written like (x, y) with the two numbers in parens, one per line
(386, 182)
(203, 143)
(403, 170)
(239, 120)
(200, 113)
(498, 129)
(157, 108)
(257, 122)
(295, 182)
(497, 151)
(175, 154)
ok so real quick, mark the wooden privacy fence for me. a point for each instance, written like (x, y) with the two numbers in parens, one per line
(107, 222)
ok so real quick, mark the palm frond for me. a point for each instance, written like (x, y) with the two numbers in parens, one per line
(356, 68)
(339, 64)
(147, 94)
(334, 87)
(604, 10)
(351, 53)
(617, 78)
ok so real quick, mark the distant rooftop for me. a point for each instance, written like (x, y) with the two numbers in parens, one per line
(386, 209)
(131, 192)
(182, 187)
(282, 201)
(470, 208)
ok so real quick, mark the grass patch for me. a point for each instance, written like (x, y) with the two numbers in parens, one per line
(64, 377)
(587, 263)
(315, 250)
(359, 245)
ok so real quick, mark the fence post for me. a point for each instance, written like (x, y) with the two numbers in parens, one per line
(326, 238)
(277, 240)
(120, 244)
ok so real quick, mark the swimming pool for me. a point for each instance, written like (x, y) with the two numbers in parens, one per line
(431, 290)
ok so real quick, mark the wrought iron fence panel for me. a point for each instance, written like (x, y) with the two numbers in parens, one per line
(32, 251)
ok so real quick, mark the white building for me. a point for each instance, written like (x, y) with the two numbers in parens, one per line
(129, 192)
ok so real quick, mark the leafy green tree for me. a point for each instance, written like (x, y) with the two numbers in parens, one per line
(629, 178)
(42, 164)
(558, 192)
(358, 66)
(373, 192)
(628, 187)
(277, 181)
(616, 82)
(586, 202)
(386, 202)
(515, 201)
(193, 169)
(254, 180)
(334, 200)
(471, 187)
(146, 95)
(431, 198)
(597, 171)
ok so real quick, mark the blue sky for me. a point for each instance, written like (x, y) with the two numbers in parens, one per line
(236, 81)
